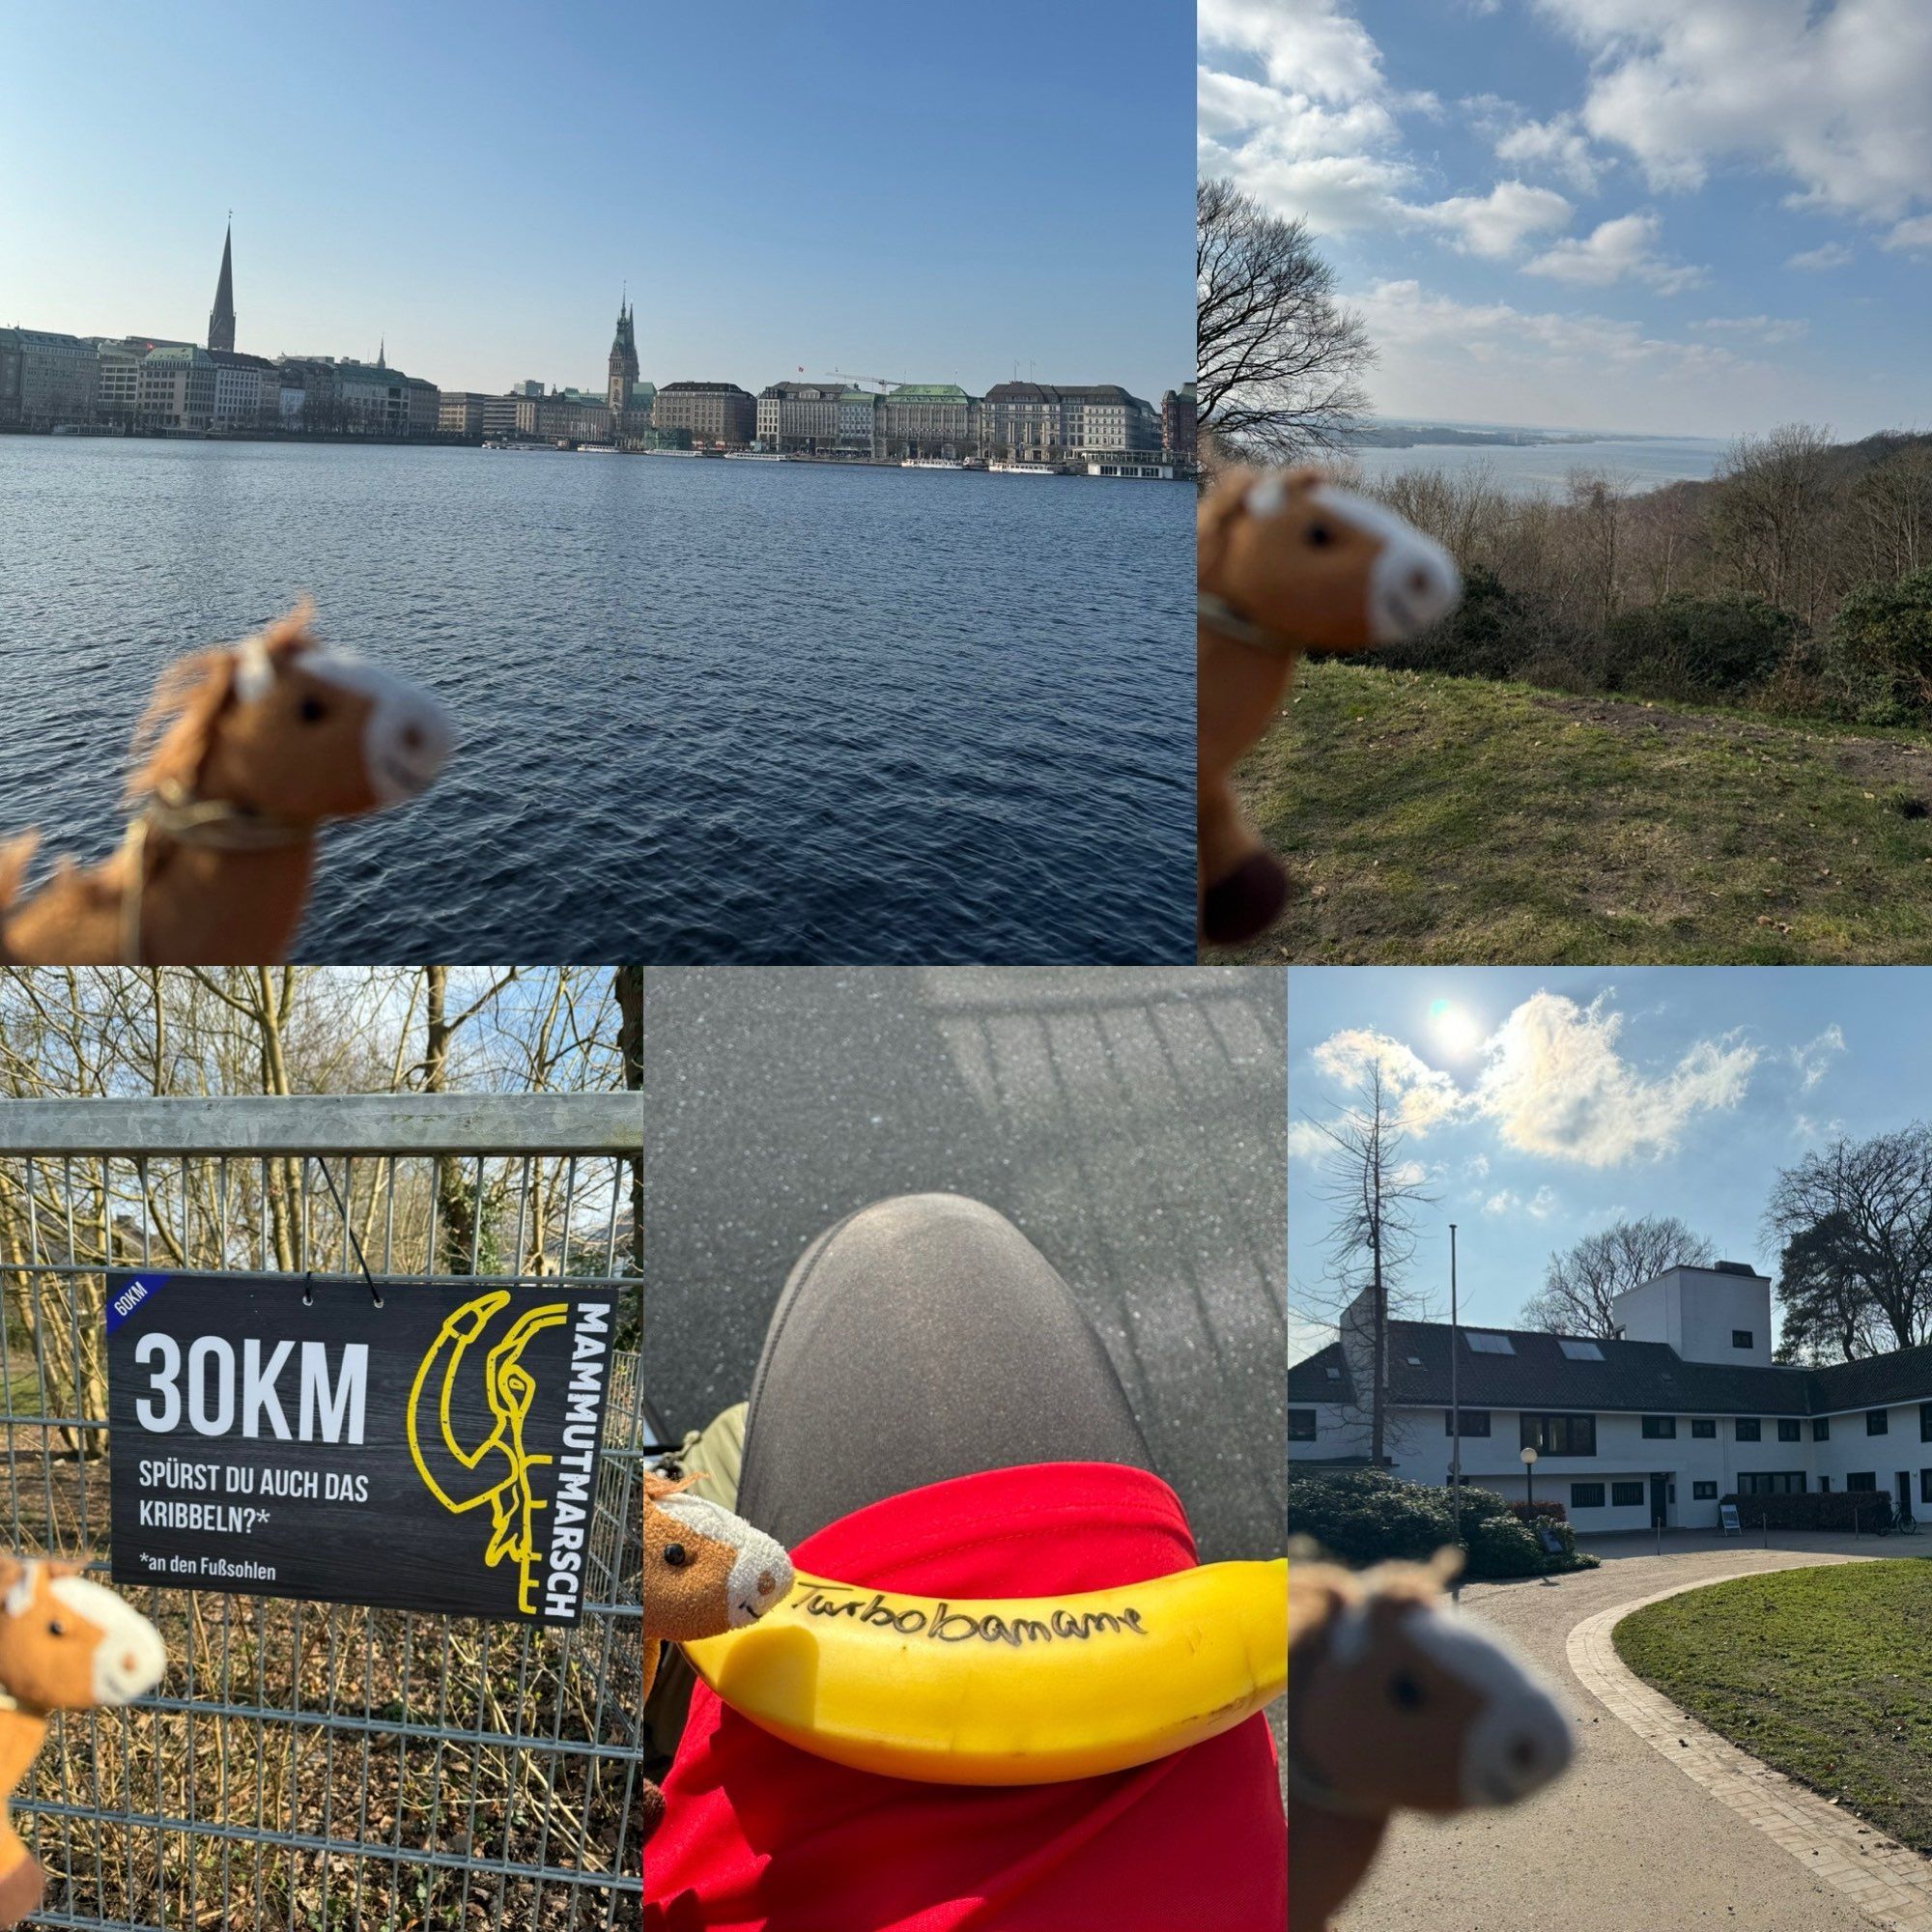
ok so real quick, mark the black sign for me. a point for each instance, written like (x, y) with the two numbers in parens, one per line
(436, 1453)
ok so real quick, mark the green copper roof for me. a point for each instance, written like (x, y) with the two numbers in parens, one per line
(935, 392)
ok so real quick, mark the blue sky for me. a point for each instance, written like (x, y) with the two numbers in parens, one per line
(900, 191)
(1690, 217)
(1543, 1103)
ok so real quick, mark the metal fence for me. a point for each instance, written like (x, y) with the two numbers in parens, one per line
(310, 1764)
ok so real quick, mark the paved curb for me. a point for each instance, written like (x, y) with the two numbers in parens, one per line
(1889, 1884)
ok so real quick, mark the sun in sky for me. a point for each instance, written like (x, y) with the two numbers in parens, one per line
(1455, 1029)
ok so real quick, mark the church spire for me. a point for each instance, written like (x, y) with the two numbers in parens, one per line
(222, 318)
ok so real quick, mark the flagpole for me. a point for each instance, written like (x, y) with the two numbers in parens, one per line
(1455, 1410)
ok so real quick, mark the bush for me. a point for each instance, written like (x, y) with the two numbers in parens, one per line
(1879, 649)
(1839, 1509)
(1540, 1507)
(1493, 632)
(1360, 1517)
(1697, 647)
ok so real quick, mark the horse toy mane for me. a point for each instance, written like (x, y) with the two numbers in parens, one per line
(242, 752)
(1286, 563)
(706, 1571)
(66, 1644)
(1396, 1703)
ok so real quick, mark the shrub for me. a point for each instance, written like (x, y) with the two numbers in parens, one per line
(1837, 1509)
(1709, 647)
(1879, 649)
(1541, 1507)
(1365, 1516)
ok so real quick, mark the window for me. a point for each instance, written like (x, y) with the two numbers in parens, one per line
(1877, 1422)
(1741, 1338)
(1824, 1486)
(1703, 1492)
(1862, 1479)
(1704, 1426)
(1623, 1495)
(1659, 1428)
(1748, 1429)
(1772, 1482)
(1925, 1485)
(1560, 1434)
(1788, 1430)
(1821, 1428)
(1476, 1422)
(1577, 1351)
(1586, 1495)
(1482, 1344)
(1925, 1422)
(1301, 1425)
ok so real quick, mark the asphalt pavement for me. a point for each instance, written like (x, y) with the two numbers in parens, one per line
(1131, 1122)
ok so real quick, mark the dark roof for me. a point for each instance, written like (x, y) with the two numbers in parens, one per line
(1022, 392)
(1310, 1380)
(1903, 1376)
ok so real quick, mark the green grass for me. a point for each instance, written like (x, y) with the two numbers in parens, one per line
(1825, 1674)
(1435, 819)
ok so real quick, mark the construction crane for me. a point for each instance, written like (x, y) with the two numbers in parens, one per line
(884, 381)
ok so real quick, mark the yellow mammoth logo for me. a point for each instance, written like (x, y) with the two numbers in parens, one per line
(497, 1470)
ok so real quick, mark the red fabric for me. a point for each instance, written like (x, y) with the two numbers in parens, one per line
(761, 1837)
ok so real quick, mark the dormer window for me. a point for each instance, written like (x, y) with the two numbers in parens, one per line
(1577, 1350)
(1481, 1342)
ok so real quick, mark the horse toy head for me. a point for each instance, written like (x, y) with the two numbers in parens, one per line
(1286, 563)
(241, 754)
(1396, 1703)
(706, 1571)
(282, 728)
(66, 1644)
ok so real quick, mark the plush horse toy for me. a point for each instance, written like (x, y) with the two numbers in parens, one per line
(706, 1571)
(1393, 1702)
(1286, 564)
(66, 1644)
(244, 751)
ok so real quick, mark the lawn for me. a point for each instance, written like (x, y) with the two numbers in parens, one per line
(1435, 819)
(1825, 1674)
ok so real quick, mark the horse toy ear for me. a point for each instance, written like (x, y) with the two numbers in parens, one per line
(66, 1644)
(1286, 563)
(1395, 1703)
(705, 1572)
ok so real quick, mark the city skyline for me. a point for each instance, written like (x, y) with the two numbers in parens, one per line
(484, 242)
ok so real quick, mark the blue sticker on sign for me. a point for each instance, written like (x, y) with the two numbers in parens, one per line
(132, 1296)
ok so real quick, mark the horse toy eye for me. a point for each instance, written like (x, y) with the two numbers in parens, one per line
(1320, 535)
(1404, 1692)
(675, 1556)
(55, 1628)
(312, 711)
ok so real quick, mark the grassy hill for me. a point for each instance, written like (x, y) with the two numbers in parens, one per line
(1434, 819)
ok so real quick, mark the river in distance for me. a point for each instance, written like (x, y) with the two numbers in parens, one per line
(1528, 469)
(707, 710)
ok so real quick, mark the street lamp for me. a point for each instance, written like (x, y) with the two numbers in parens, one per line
(1529, 1478)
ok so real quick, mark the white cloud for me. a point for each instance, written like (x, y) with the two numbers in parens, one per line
(1555, 1084)
(1498, 223)
(1307, 1142)
(1617, 250)
(1769, 328)
(1914, 235)
(1831, 96)
(1311, 46)
(1539, 1206)
(1813, 1060)
(1558, 145)
(1422, 1097)
(1828, 255)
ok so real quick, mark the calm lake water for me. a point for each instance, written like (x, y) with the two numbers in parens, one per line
(1524, 468)
(709, 711)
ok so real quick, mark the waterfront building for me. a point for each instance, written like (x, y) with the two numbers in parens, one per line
(1655, 1425)
(221, 317)
(718, 415)
(563, 417)
(499, 414)
(47, 378)
(460, 412)
(798, 417)
(422, 406)
(247, 390)
(1021, 422)
(1101, 418)
(177, 390)
(622, 371)
(1178, 422)
(9, 375)
(857, 410)
(926, 419)
(118, 394)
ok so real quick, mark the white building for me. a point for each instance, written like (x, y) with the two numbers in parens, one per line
(1683, 1409)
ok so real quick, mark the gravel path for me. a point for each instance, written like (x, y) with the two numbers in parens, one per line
(1625, 1840)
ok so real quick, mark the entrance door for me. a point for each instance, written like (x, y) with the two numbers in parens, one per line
(1660, 1504)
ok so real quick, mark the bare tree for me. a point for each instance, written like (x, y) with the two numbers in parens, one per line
(1375, 1191)
(1859, 1216)
(1581, 1284)
(1278, 360)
